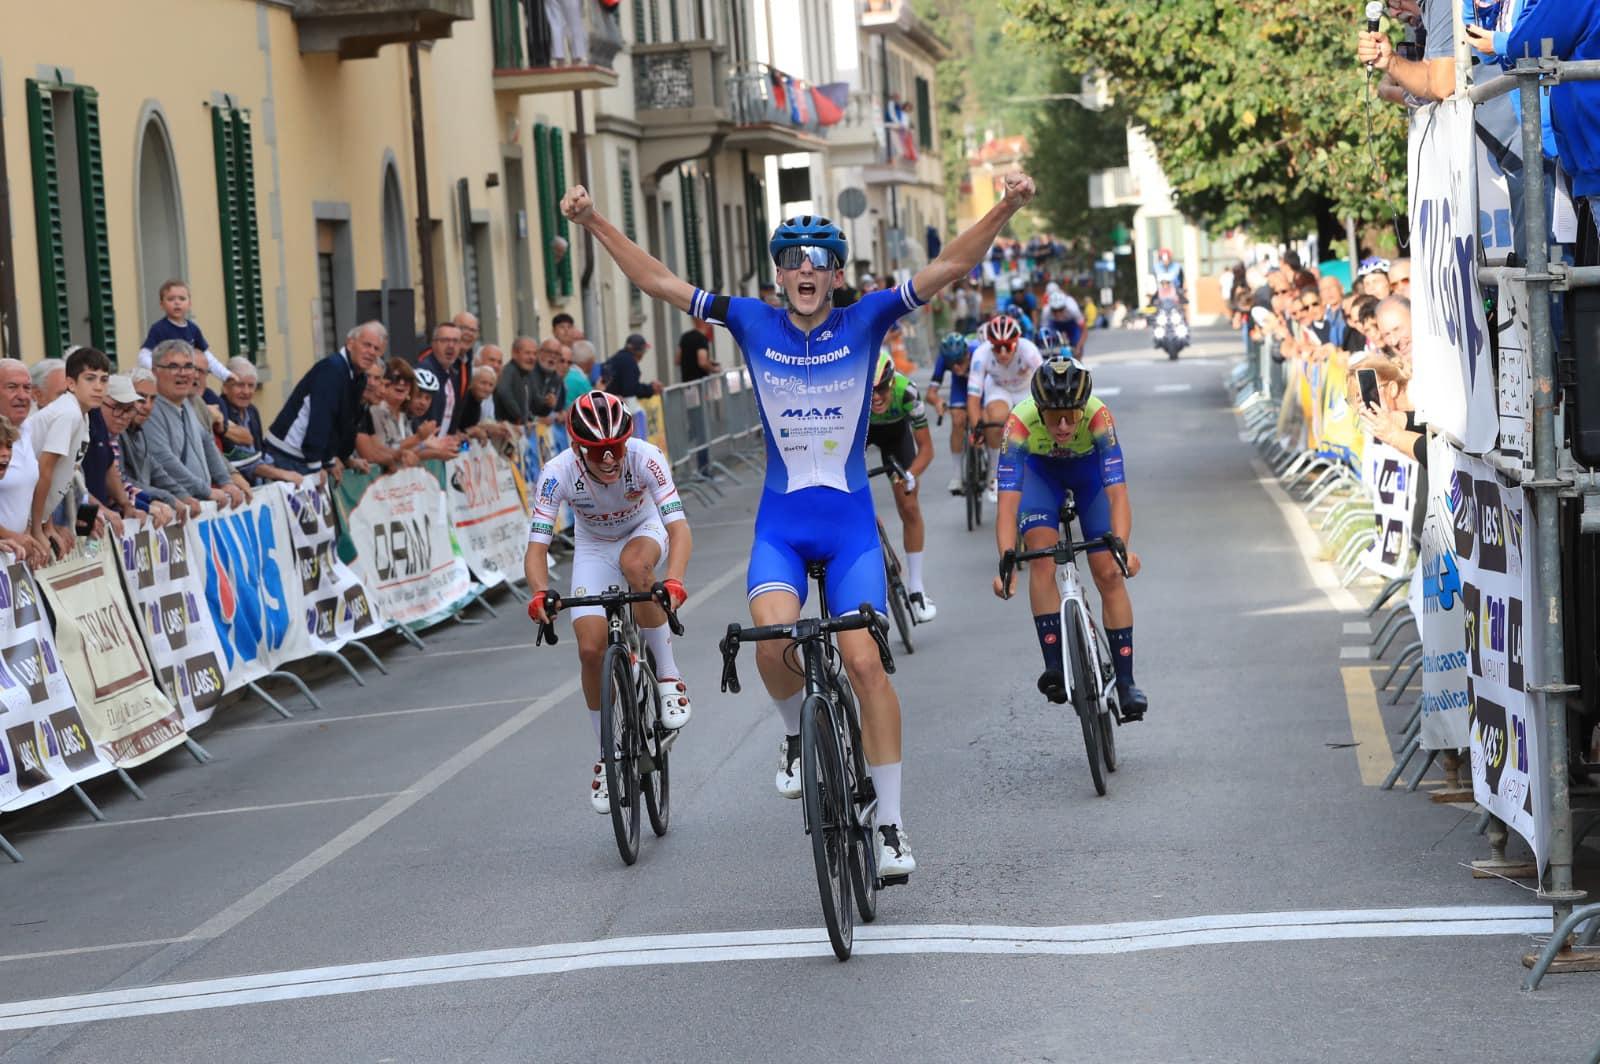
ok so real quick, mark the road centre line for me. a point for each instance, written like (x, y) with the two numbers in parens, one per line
(73, 951)
(654, 950)
(267, 808)
(1172, 389)
(1373, 754)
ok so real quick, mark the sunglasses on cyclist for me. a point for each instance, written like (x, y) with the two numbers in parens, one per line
(603, 455)
(1004, 345)
(791, 258)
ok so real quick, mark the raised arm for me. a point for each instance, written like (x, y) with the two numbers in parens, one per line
(962, 254)
(643, 269)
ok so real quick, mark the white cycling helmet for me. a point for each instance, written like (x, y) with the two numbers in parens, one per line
(1018, 282)
(1052, 288)
(1058, 300)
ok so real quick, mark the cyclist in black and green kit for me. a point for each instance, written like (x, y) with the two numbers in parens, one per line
(898, 427)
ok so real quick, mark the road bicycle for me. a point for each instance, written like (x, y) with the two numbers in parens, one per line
(1087, 669)
(976, 471)
(634, 743)
(838, 797)
(893, 575)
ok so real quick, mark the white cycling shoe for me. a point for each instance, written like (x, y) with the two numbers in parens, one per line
(992, 493)
(599, 796)
(675, 707)
(894, 851)
(922, 608)
(955, 486)
(788, 780)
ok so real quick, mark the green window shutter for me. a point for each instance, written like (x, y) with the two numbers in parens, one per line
(630, 225)
(924, 116)
(691, 228)
(254, 312)
(547, 208)
(558, 167)
(638, 22)
(47, 218)
(756, 205)
(96, 239)
(506, 26)
(241, 239)
(230, 225)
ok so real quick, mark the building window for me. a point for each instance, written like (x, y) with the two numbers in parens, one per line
(160, 232)
(924, 116)
(396, 257)
(691, 226)
(630, 228)
(241, 244)
(550, 163)
(69, 197)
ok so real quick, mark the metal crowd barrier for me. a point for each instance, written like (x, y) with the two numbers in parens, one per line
(712, 424)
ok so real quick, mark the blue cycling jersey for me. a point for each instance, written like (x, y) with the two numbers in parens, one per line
(813, 390)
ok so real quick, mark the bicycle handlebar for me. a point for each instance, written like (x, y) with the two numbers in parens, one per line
(891, 467)
(554, 604)
(1062, 552)
(803, 630)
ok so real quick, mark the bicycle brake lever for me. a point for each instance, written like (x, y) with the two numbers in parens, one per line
(730, 652)
(880, 635)
(664, 600)
(546, 634)
(1119, 551)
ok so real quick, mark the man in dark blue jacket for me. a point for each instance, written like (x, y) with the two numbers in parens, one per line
(317, 425)
(622, 374)
(1574, 27)
(443, 360)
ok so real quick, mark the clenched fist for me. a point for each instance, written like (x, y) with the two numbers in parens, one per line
(1019, 190)
(576, 205)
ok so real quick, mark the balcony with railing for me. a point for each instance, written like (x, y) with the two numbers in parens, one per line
(528, 61)
(356, 29)
(773, 113)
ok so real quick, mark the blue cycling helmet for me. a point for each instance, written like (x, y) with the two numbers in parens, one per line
(1373, 264)
(953, 346)
(1049, 339)
(809, 229)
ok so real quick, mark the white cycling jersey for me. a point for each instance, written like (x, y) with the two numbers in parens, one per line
(988, 377)
(606, 511)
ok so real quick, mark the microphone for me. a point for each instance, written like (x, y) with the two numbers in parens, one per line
(1374, 13)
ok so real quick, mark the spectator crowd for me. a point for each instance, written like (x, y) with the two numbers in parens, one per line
(83, 447)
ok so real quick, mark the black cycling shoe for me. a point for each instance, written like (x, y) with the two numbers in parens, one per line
(1053, 686)
(1132, 702)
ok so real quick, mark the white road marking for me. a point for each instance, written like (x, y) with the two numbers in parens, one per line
(1354, 654)
(1322, 574)
(73, 951)
(1112, 390)
(100, 824)
(340, 844)
(1170, 389)
(279, 723)
(478, 650)
(1078, 940)
(1357, 628)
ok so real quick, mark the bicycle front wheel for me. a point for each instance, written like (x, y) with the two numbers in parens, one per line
(1084, 693)
(657, 782)
(828, 819)
(863, 849)
(619, 745)
(971, 486)
(899, 599)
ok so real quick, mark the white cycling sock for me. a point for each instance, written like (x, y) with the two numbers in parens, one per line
(994, 462)
(956, 459)
(594, 718)
(886, 781)
(659, 640)
(789, 710)
(914, 572)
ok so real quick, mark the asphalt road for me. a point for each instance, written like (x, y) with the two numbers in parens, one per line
(414, 874)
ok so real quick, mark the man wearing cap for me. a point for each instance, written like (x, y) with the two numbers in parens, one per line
(102, 462)
(622, 370)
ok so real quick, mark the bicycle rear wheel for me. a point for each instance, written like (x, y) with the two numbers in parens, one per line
(828, 819)
(1108, 717)
(1084, 697)
(619, 743)
(899, 599)
(655, 783)
(971, 488)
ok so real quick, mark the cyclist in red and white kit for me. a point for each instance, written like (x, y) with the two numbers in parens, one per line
(626, 516)
(1002, 368)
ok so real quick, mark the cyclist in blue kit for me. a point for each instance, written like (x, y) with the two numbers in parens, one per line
(811, 364)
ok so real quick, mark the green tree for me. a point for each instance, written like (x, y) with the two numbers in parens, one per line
(1257, 110)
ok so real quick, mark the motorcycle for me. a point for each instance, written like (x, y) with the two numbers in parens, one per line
(1169, 326)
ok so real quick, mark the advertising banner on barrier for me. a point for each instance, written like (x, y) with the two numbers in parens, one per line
(1391, 480)
(1514, 385)
(649, 423)
(129, 720)
(44, 746)
(167, 591)
(1453, 382)
(399, 528)
(1339, 433)
(1441, 618)
(337, 608)
(486, 514)
(1493, 539)
(246, 560)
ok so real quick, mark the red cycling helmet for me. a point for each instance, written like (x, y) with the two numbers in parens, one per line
(599, 426)
(1003, 331)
